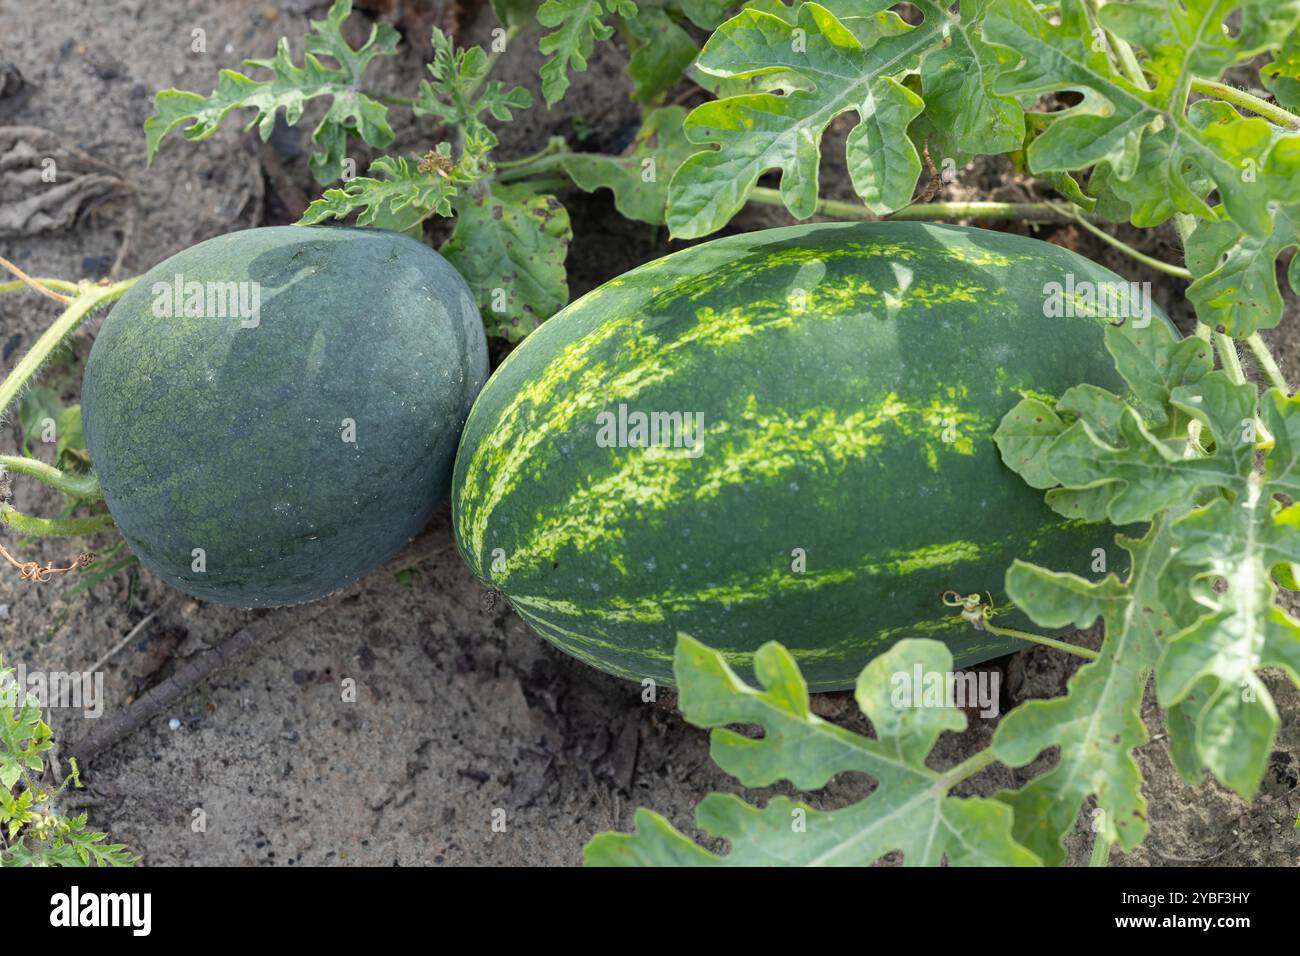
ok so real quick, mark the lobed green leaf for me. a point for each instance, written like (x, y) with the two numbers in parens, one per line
(351, 112)
(639, 178)
(909, 811)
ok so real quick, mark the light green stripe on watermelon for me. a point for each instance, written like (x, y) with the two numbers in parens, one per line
(568, 387)
(761, 447)
(850, 377)
(749, 588)
(619, 660)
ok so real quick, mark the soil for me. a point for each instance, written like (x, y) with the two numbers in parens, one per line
(462, 715)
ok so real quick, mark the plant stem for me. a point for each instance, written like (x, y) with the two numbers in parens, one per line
(555, 146)
(920, 211)
(59, 285)
(1128, 63)
(1267, 363)
(91, 298)
(1083, 652)
(390, 100)
(492, 57)
(78, 486)
(53, 527)
(1226, 347)
(967, 768)
(1230, 94)
(543, 162)
(925, 211)
(1228, 357)
(1100, 851)
(1177, 271)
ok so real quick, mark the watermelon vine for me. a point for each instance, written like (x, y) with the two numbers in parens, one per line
(1128, 112)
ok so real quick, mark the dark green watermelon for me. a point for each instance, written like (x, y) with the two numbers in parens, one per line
(269, 455)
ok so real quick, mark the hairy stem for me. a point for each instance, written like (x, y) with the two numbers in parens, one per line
(1230, 94)
(1185, 225)
(53, 527)
(1228, 357)
(920, 211)
(1267, 363)
(78, 486)
(90, 299)
(555, 146)
(547, 161)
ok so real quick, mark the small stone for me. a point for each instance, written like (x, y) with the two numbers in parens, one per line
(174, 724)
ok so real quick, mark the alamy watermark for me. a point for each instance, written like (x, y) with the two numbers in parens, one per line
(636, 429)
(968, 689)
(208, 300)
(79, 690)
(1102, 300)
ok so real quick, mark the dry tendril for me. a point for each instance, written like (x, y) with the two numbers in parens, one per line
(33, 571)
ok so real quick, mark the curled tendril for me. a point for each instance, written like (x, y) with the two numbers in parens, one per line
(40, 574)
(973, 608)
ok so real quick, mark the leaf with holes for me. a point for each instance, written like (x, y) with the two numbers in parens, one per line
(509, 243)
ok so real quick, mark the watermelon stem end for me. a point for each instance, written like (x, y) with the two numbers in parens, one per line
(980, 616)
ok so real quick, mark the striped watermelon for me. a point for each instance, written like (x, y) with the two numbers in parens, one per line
(849, 379)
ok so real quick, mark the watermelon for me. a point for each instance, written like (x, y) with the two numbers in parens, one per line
(272, 413)
(784, 435)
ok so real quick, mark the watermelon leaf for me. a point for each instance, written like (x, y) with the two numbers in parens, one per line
(577, 25)
(968, 118)
(1099, 722)
(1282, 74)
(909, 811)
(509, 243)
(1114, 120)
(456, 95)
(26, 806)
(823, 67)
(407, 194)
(639, 178)
(1236, 288)
(514, 13)
(24, 736)
(351, 112)
(1180, 451)
(1239, 543)
(661, 51)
